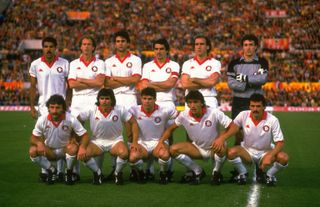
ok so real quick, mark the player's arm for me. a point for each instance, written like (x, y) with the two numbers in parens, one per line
(207, 82)
(39, 143)
(187, 83)
(111, 83)
(84, 142)
(135, 132)
(127, 81)
(32, 96)
(218, 143)
(68, 94)
(234, 83)
(163, 85)
(97, 82)
(76, 84)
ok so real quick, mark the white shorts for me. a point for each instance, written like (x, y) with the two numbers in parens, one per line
(149, 145)
(106, 145)
(82, 103)
(256, 155)
(206, 154)
(126, 100)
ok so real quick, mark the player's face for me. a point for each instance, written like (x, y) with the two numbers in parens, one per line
(200, 47)
(160, 52)
(249, 48)
(121, 44)
(55, 110)
(87, 47)
(49, 50)
(148, 103)
(105, 101)
(257, 109)
(195, 107)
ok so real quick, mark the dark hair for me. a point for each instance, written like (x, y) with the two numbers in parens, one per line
(208, 42)
(149, 92)
(49, 39)
(94, 44)
(250, 37)
(195, 95)
(122, 33)
(257, 97)
(162, 41)
(106, 92)
(57, 99)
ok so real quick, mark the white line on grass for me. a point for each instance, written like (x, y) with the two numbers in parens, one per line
(254, 195)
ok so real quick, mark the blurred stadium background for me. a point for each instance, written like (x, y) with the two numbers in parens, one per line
(288, 31)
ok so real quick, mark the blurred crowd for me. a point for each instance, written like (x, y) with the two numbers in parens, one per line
(224, 22)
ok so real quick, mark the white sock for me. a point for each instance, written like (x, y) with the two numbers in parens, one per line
(218, 162)
(99, 160)
(120, 165)
(76, 167)
(44, 171)
(237, 163)
(41, 161)
(137, 165)
(275, 168)
(92, 165)
(189, 163)
(70, 161)
(60, 165)
(164, 165)
(150, 164)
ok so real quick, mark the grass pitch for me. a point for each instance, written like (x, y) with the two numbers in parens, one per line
(298, 185)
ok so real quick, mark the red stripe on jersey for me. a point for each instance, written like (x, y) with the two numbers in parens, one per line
(89, 62)
(201, 62)
(123, 59)
(43, 59)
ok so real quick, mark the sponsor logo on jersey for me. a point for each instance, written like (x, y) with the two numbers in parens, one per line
(115, 118)
(78, 68)
(94, 68)
(247, 126)
(192, 67)
(208, 68)
(266, 128)
(97, 118)
(114, 65)
(65, 128)
(59, 69)
(168, 70)
(40, 70)
(157, 120)
(153, 70)
(129, 64)
(208, 123)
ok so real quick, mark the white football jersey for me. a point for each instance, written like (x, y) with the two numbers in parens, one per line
(152, 125)
(196, 69)
(205, 129)
(259, 135)
(126, 67)
(79, 69)
(154, 72)
(51, 78)
(57, 134)
(106, 126)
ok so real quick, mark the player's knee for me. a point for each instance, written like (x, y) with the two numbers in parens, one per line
(164, 154)
(123, 153)
(33, 151)
(232, 153)
(283, 158)
(72, 149)
(133, 157)
(173, 151)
